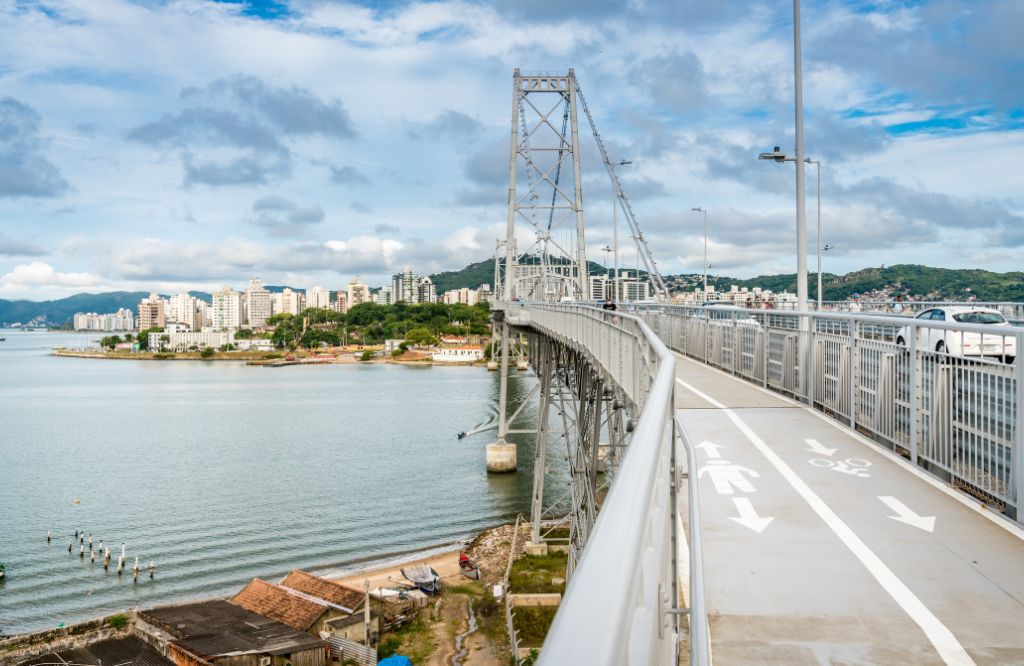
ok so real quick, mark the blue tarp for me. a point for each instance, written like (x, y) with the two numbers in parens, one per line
(395, 660)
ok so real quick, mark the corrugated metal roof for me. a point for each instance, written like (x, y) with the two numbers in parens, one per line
(110, 652)
(217, 627)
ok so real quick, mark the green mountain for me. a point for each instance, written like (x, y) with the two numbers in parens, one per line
(60, 311)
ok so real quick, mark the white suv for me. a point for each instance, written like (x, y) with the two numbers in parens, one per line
(1000, 343)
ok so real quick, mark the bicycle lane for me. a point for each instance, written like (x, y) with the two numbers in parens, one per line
(964, 569)
(844, 580)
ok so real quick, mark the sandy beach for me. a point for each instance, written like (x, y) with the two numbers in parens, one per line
(445, 564)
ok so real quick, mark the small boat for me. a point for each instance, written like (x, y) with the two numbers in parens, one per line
(468, 567)
(423, 577)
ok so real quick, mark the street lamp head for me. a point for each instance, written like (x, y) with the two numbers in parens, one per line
(776, 155)
(828, 247)
(698, 209)
(625, 162)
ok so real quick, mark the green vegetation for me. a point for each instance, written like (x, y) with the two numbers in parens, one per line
(415, 640)
(533, 573)
(366, 356)
(143, 337)
(110, 341)
(163, 356)
(206, 353)
(371, 324)
(119, 621)
(532, 624)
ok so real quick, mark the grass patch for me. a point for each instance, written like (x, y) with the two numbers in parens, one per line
(415, 640)
(532, 624)
(119, 621)
(533, 573)
(471, 589)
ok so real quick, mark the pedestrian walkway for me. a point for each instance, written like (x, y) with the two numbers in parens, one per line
(822, 548)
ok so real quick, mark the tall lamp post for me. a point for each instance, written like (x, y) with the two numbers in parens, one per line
(699, 209)
(817, 163)
(615, 226)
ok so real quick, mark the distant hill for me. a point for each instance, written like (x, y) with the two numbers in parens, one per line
(482, 272)
(911, 280)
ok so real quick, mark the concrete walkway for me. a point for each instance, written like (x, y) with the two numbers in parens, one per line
(821, 549)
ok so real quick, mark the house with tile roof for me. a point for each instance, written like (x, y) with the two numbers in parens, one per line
(339, 595)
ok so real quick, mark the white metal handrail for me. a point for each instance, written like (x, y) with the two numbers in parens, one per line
(620, 605)
(947, 395)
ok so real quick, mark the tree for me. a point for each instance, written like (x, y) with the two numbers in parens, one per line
(143, 337)
(110, 341)
(207, 352)
(420, 336)
(366, 356)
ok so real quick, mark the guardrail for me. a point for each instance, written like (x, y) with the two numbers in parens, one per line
(620, 604)
(948, 396)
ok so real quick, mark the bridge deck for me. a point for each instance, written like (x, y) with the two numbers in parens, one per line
(832, 577)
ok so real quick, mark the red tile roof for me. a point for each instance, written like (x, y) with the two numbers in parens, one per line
(279, 604)
(322, 588)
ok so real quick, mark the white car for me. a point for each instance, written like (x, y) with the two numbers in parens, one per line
(1000, 343)
(726, 312)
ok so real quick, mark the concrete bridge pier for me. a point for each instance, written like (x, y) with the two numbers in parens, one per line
(501, 457)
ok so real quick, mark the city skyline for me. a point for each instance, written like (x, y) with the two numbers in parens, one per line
(183, 143)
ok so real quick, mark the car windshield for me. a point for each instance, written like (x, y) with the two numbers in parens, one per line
(979, 318)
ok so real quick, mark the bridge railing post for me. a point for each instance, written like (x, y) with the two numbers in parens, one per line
(1017, 453)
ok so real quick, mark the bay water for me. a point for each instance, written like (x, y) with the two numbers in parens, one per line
(220, 472)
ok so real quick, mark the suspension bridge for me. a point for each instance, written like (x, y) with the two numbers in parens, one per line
(807, 487)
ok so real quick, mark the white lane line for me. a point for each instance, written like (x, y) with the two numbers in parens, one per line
(905, 514)
(946, 644)
(974, 505)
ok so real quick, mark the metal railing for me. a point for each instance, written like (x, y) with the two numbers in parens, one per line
(620, 606)
(946, 395)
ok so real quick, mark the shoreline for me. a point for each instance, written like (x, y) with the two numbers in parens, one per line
(256, 359)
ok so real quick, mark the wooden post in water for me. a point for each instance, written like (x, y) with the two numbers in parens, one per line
(106, 560)
(81, 551)
(135, 578)
(48, 536)
(69, 544)
(101, 548)
(120, 565)
(90, 542)
(92, 556)
(152, 569)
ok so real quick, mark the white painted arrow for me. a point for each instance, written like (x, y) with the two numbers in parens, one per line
(710, 449)
(926, 523)
(748, 515)
(814, 446)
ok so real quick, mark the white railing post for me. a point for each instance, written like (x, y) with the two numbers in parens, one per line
(914, 391)
(1017, 452)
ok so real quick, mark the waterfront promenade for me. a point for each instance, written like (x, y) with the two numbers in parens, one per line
(821, 547)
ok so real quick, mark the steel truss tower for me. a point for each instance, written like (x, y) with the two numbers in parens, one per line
(544, 152)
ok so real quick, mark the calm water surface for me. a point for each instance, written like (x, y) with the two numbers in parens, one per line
(221, 472)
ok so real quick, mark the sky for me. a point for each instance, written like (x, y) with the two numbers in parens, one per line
(188, 144)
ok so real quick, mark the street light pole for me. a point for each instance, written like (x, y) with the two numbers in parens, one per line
(615, 226)
(801, 212)
(699, 209)
(817, 163)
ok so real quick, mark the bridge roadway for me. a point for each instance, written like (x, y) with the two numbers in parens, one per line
(822, 548)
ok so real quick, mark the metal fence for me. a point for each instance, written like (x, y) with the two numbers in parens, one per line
(620, 606)
(946, 395)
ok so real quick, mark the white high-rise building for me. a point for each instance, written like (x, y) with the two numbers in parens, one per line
(341, 305)
(227, 309)
(405, 286)
(358, 293)
(187, 309)
(256, 303)
(288, 302)
(426, 291)
(122, 320)
(152, 312)
(318, 297)
(384, 296)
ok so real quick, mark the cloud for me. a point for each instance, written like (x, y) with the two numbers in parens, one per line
(233, 131)
(449, 124)
(384, 228)
(348, 175)
(10, 247)
(24, 170)
(360, 207)
(42, 276)
(282, 217)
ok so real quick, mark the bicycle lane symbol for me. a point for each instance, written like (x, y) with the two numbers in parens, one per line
(853, 466)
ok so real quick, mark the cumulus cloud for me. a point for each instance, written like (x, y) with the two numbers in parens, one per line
(282, 217)
(39, 275)
(234, 131)
(24, 169)
(449, 124)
